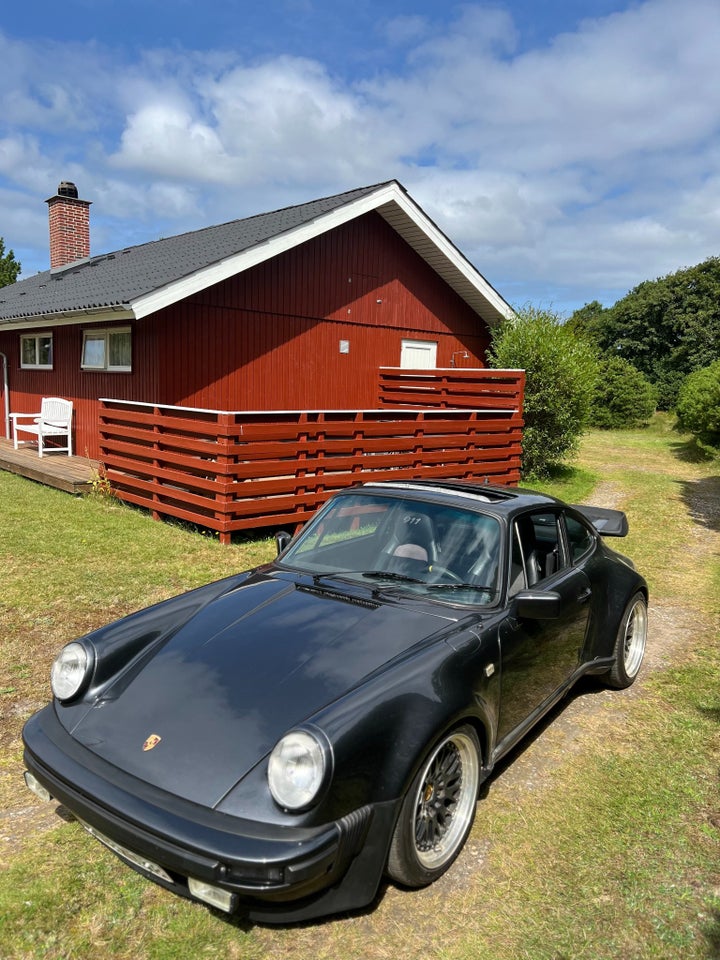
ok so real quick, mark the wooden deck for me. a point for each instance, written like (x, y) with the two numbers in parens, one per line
(72, 474)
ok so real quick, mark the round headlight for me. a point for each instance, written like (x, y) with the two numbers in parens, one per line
(296, 770)
(70, 670)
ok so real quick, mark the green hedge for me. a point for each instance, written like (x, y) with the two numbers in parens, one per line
(623, 397)
(560, 375)
(698, 407)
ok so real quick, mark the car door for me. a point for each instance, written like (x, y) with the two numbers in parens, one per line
(538, 656)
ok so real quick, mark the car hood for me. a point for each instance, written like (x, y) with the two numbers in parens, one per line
(215, 698)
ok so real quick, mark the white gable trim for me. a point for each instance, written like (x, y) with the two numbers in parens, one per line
(398, 210)
(419, 231)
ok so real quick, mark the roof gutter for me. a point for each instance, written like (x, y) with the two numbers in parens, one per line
(69, 318)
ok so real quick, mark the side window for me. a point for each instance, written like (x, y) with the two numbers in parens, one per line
(536, 550)
(36, 351)
(580, 538)
(107, 350)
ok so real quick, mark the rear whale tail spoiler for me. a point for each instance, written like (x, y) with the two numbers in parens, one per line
(608, 523)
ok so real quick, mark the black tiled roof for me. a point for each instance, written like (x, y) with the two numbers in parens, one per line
(119, 278)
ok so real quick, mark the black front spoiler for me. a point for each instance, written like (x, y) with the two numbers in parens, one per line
(276, 873)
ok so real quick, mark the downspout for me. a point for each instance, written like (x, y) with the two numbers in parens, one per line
(6, 395)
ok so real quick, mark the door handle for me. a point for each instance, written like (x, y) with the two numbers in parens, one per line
(585, 595)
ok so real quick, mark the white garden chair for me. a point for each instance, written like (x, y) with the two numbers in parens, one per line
(54, 420)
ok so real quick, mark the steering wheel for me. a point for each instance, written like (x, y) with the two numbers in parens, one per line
(443, 572)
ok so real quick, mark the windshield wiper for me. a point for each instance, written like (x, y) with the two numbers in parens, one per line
(461, 586)
(390, 575)
(404, 578)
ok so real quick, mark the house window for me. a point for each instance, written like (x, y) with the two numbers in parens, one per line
(107, 350)
(36, 351)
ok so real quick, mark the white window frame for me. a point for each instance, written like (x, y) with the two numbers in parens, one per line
(37, 337)
(103, 336)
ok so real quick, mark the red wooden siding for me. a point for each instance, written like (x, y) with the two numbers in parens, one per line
(233, 471)
(269, 338)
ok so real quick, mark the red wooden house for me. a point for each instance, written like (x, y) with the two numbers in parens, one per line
(294, 309)
(297, 310)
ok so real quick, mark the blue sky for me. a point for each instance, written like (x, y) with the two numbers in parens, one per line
(570, 149)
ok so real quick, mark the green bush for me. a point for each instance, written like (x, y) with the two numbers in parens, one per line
(623, 397)
(560, 374)
(698, 407)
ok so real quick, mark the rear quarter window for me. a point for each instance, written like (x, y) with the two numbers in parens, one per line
(580, 538)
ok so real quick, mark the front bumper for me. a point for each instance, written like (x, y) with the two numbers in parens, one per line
(273, 873)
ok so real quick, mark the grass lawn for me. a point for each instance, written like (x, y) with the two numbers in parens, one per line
(600, 840)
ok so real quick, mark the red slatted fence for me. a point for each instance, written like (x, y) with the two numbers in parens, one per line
(243, 470)
(479, 389)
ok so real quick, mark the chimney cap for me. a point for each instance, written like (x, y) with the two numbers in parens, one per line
(67, 189)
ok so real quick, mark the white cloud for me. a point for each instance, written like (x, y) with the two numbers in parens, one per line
(575, 164)
(55, 88)
(644, 79)
(284, 121)
(164, 139)
(287, 120)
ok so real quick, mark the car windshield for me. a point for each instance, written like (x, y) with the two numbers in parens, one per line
(400, 544)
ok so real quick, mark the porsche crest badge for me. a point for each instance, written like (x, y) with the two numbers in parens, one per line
(152, 741)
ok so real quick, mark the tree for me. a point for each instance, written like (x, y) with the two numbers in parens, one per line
(666, 327)
(560, 374)
(698, 407)
(9, 266)
(589, 321)
(623, 396)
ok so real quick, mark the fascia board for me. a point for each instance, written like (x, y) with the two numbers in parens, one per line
(455, 259)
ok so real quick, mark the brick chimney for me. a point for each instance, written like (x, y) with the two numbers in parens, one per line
(69, 226)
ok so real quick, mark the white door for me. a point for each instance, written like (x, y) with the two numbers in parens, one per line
(418, 354)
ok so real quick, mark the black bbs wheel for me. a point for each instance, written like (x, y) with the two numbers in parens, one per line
(629, 644)
(437, 812)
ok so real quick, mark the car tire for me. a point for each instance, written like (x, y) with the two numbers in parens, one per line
(629, 644)
(438, 810)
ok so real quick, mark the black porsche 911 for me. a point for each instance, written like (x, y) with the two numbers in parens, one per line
(276, 742)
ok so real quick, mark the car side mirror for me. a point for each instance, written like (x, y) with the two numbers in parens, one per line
(538, 604)
(282, 539)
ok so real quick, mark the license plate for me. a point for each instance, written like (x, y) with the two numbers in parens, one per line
(155, 869)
